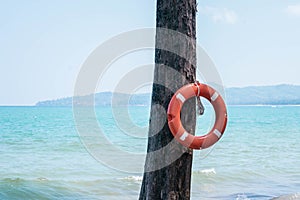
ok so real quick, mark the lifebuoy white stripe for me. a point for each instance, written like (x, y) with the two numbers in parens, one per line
(180, 97)
(217, 133)
(198, 88)
(184, 135)
(214, 96)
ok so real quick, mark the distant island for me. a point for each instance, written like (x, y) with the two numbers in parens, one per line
(254, 95)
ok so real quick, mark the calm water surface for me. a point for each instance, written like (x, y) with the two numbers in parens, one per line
(42, 157)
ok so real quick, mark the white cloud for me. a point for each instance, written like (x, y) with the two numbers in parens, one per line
(293, 10)
(222, 15)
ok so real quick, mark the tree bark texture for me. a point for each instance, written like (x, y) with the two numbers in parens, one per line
(164, 177)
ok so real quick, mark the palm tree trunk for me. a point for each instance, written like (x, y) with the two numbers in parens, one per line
(172, 180)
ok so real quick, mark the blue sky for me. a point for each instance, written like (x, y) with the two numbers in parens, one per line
(44, 43)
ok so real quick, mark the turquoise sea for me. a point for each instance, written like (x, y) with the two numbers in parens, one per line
(42, 156)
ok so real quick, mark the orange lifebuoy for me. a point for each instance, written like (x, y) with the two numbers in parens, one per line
(174, 121)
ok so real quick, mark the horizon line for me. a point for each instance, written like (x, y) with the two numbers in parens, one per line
(109, 91)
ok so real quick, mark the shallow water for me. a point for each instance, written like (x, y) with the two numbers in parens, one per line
(42, 156)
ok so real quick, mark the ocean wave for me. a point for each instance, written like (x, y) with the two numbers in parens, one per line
(133, 178)
(39, 188)
(209, 171)
(20, 180)
(43, 188)
(295, 196)
(242, 197)
(247, 196)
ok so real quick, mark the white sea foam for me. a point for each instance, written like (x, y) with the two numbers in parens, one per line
(42, 179)
(242, 197)
(133, 178)
(288, 197)
(209, 171)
